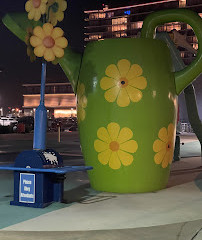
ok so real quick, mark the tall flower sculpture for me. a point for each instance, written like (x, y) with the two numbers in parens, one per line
(164, 146)
(48, 42)
(35, 8)
(55, 11)
(115, 146)
(123, 83)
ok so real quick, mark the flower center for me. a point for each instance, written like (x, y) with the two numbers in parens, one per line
(36, 3)
(114, 146)
(123, 82)
(168, 146)
(49, 42)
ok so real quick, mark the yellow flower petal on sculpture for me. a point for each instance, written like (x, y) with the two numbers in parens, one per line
(129, 146)
(104, 156)
(48, 55)
(39, 50)
(125, 158)
(37, 15)
(163, 134)
(38, 31)
(123, 66)
(171, 130)
(57, 33)
(28, 6)
(80, 89)
(48, 28)
(107, 83)
(123, 99)
(135, 71)
(31, 14)
(59, 52)
(61, 42)
(35, 41)
(112, 71)
(158, 158)
(166, 159)
(138, 82)
(83, 102)
(111, 94)
(124, 135)
(103, 134)
(81, 113)
(114, 161)
(60, 16)
(113, 130)
(159, 145)
(100, 146)
(135, 95)
(43, 8)
(63, 6)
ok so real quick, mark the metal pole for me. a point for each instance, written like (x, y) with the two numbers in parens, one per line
(40, 121)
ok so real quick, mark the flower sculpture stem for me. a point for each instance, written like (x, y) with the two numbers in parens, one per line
(40, 123)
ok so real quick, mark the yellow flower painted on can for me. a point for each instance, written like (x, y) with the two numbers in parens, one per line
(115, 146)
(48, 42)
(164, 146)
(81, 102)
(55, 11)
(123, 83)
(35, 8)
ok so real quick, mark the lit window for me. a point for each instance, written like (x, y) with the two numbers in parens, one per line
(136, 25)
(119, 20)
(200, 14)
(195, 46)
(182, 3)
(182, 54)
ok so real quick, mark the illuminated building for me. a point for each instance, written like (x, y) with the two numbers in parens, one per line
(126, 21)
(60, 100)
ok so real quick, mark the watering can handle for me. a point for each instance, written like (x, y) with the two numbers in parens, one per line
(184, 77)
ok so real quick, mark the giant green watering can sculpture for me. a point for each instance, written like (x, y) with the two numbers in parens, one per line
(127, 105)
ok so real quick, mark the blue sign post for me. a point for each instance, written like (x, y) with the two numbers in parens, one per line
(27, 188)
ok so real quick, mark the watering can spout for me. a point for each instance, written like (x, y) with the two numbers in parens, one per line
(70, 64)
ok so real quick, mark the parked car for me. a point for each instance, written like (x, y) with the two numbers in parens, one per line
(6, 121)
(25, 124)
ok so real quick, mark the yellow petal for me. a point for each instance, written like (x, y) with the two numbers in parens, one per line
(166, 159)
(123, 66)
(123, 99)
(57, 33)
(61, 42)
(83, 101)
(163, 134)
(37, 15)
(39, 50)
(100, 146)
(124, 135)
(135, 71)
(111, 94)
(158, 158)
(31, 14)
(112, 71)
(113, 130)
(135, 95)
(60, 16)
(42, 8)
(129, 146)
(104, 156)
(59, 52)
(47, 28)
(38, 31)
(80, 89)
(138, 82)
(159, 145)
(44, 1)
(171, 131)
(53, 20)
(28, 6)
(114, 161)
(103, 134)
(63, 5)
(35, 41)
(81, 113)
(107, 83)
(125, 158)
(48, 55)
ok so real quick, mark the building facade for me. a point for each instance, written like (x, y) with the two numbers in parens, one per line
(60, 100)
(127, 21)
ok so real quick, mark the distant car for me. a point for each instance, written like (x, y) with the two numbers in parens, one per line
(28, 122)
(6, 121)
